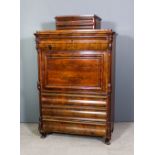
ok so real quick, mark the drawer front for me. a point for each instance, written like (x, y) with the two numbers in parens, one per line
(75, 113)
(74, 100)
(74, 128)
(73, 45)
(83, 71)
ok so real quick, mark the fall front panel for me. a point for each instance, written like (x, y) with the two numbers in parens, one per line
(75, 72)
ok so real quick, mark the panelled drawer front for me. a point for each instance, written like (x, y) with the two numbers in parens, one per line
(85, 71)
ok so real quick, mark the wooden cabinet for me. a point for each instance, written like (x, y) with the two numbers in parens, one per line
(76, 81)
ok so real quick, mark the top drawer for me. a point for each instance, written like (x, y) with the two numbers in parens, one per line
(74, 45)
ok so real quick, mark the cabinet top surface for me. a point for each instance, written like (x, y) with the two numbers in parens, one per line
(94, 31)
(77, 17)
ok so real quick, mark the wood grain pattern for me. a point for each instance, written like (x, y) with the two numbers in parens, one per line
(78, 22)
(76, 70)
(83, 72)
(74, 128)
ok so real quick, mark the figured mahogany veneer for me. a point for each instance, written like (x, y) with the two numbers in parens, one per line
(78, 22)
(76, 81)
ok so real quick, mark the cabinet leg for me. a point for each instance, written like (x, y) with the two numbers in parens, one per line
(107, 141)
(43, 135)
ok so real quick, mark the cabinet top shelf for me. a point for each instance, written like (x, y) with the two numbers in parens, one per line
(75, 22)
(71, 32)
(77, 17)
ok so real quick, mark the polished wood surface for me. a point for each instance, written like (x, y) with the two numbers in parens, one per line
(76, 74)
(78, 22)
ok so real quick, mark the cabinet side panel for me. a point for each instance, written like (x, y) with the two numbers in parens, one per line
(113, 81)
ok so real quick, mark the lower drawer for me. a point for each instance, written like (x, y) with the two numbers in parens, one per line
(85, 101)
(74, 128)
(75, 113)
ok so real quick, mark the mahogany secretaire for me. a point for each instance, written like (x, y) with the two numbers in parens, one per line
(76, 77)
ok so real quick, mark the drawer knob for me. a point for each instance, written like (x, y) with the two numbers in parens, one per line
(49, 47)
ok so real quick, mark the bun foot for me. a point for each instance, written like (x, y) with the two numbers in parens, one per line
(107, 141)
(43, 135)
